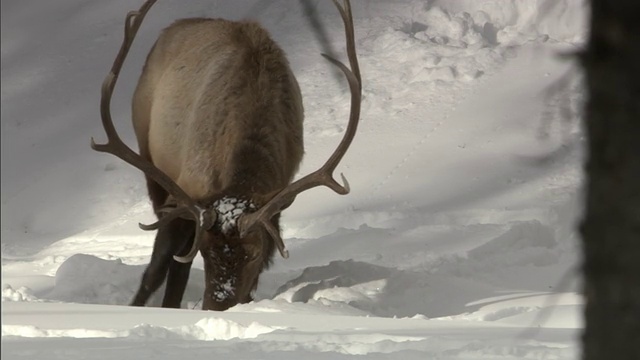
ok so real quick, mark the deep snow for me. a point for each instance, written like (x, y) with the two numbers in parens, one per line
(457, 241)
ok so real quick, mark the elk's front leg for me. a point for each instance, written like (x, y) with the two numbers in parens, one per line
(176, 284)
(170, 239)
(178, 277)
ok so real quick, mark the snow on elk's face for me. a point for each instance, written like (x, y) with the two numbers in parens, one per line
(232, 264)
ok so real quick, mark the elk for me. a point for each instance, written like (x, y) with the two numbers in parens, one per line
(218, 117)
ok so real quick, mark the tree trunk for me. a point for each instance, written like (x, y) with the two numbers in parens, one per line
(611, 224)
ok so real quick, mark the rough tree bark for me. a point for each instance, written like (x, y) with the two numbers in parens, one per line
(611, 224)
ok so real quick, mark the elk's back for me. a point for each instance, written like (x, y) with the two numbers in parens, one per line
(217, 107)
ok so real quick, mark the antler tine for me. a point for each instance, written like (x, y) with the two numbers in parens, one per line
(324, 175)
(347, 19)
(172, 214)
(194, 247)
(117, 147)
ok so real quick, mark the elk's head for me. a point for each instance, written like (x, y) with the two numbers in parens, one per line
(233, 263)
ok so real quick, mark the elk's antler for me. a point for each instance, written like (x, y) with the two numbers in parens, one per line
(324, 175)
(186, 206)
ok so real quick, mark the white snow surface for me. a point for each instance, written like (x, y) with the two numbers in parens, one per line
(458, 239)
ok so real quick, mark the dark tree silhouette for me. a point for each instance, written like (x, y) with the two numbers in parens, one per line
(611, 224)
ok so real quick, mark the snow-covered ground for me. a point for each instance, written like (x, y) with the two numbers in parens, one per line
(457, 241)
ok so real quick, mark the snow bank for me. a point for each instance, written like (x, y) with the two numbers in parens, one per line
(220, 329)
(207, 329)
(23, 293)
(517, 21)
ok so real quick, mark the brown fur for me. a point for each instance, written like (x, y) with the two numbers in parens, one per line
(218, 109)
